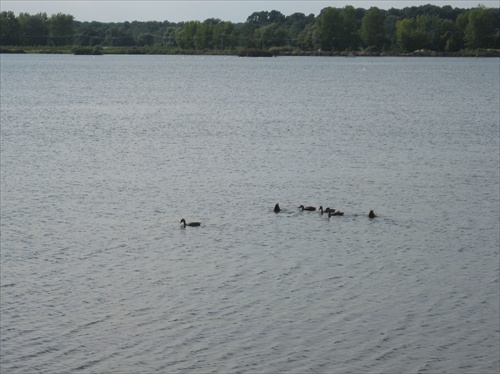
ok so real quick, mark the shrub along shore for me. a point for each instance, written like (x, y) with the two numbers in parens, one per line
(273, 52)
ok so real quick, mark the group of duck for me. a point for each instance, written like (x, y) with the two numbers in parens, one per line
(331, 212)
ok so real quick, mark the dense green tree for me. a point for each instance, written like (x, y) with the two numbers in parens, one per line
(145, 38)
(271, 36)
(281, 37)
(449, 13)
(258, 19)
(307, 40)
(246, 37)
(462, 21)
(118, 36)
(328, 28)
(186, 36)
(427, 31)
(429, 26)
(35, 28)
(295, 24)
(415, 11)
(451, 37)
(9, 29)
(404, 31)
(276, 16)
(264, 18)
(390, 30)
(336, 28)
(479, 30)
(90, 34)
(61, 30)
(348, 37)
(223, 35)
(372, 28)
(169, 37)
(496, 39)
(409, 37)
(298, 21)
(203, 35)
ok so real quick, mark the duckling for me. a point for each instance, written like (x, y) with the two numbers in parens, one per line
(371, 214)
(335, 213)
(277, 208)
(309, 208)
(190, 223)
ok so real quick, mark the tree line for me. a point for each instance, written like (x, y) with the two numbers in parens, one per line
(429, 27)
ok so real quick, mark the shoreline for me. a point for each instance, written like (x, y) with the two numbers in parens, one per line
(242, 53)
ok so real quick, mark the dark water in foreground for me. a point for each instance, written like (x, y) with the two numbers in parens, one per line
(102, 156)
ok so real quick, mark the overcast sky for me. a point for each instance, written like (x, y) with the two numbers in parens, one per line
(200, 10)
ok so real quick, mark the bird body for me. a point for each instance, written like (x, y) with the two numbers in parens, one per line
(308, 208)
(277, 208)
(371, 214)
(190, 223)
(335, 213)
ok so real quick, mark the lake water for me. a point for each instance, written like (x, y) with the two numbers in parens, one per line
(102, 156)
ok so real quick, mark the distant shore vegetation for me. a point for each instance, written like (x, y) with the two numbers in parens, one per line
(426, 30)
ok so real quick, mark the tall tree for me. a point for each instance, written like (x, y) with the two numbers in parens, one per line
(429, 26)
(270, 36)
(328, 28)
(169, 37)
(246, 36)
(409, 38)
(479, 30)
(307, 40)
(203, 35)
(276, 16)
(186, 36)
(223, 35)
(451, 37)
(348, 36)
(372, 28)
(35, 28)
(61, 29)
(390, 29)
(9, 29)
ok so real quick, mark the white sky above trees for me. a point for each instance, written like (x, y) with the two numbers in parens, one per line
(200, 10)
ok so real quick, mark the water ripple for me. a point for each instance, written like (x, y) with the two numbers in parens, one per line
(98, 276)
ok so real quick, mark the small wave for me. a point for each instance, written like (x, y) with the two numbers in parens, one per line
(8, 285)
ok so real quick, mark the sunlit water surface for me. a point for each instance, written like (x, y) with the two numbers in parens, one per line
(101, 157)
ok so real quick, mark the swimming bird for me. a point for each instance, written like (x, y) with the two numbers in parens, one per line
(277, 208)
(335, 213)
(327, 210)
(371, 214)
(190, 223)
(309, 208)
